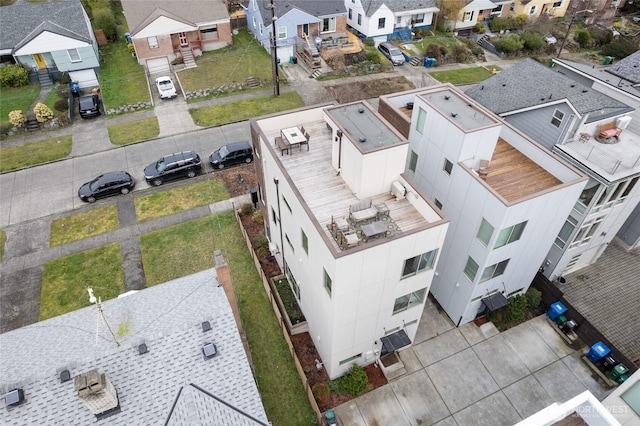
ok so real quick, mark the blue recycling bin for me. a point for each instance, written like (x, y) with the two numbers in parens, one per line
(74, 86)
(598, 351)
(555, 310)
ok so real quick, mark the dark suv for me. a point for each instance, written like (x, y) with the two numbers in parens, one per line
(89, 106)
(230, 154)
(174, 166)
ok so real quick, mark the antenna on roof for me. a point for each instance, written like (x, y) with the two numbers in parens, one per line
(98, 303)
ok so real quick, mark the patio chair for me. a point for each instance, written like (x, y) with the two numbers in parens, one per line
(307, 137)
(280, 143)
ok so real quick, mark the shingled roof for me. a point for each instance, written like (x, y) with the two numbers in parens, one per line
(315, 8)
(396, 6)
(22, 21)
(529, 84)
(603, 74)
(172, 382)
(628, 68)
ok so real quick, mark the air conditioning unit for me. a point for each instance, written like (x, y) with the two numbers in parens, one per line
(398, 191)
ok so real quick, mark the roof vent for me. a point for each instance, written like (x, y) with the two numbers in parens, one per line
(209, 350)
(65, 376)
(206, 326)
(573, 85)
(362, 139)
(504, 84)
(361, 110)
(142, 348)
(454, 114)
(409, 105)
(14, 397)
(446, 97)
(584, 90)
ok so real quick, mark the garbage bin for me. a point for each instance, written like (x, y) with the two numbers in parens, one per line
(608, 60)
(561, 320)
(609, 362)
(568, 326)
(618, 371)
(127, 37)
(555, 310)
(598, 351)
(74, 87)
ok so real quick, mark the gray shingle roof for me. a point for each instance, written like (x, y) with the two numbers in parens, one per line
(529, 84)
(21, 19)
(371, 6)
(315, 8)
(168, 319)
(627, 68)
(603, 74)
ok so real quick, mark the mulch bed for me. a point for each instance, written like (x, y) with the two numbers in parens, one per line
(303, 344)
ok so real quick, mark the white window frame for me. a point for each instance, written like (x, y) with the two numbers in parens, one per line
(512, 233)
(556, 119)
(419, 263)
(447, 167)
(467, 16)
(359, 18)
(471, 269)
(494, 270)
(382, 22)
(153, 42)
(532, 10)
(255, 24)
(331, 24)
(408, 301)
(77, 55)
(413, 161)
(571, 222)
(282, 33)
(421, 120)
(557, 4)
(485, 232)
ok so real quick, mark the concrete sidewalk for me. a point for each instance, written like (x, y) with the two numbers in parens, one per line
(475, 376)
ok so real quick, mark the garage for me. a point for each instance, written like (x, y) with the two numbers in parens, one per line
(158, 65)
(86, 79)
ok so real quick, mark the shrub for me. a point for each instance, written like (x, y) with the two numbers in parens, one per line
(433, 51)
(619, 48)
(61, 105)
(534, 297)
(13, 76)
(582, 37)
(261, 246)
(532, 41)
(17, 118)
(509, 44)
(521, 19)
(256, 216)
(479, 28)
(321, 391)
(601, 36)
(246, 208)
(43, 113)
(104, 20)
(461, 53)
(500, 24)
(355, 382)
(64, 78)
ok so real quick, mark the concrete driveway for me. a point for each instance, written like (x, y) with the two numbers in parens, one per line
(475, 376)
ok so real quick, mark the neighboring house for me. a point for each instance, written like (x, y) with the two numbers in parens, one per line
(358, 242)
(298, 23)
(593, 131)
(536, 8)
(621, 81)
(50, 38)
(167, 381)
(385, 19)
(506, 196)
(162, 31)
(478, 11)
(603, 9)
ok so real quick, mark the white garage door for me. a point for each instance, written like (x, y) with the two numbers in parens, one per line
(158, 65)
(85, 78)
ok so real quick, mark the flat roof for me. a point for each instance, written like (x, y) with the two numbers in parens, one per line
(364, 126)
(457, 109)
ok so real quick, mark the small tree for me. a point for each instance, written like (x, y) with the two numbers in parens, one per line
(17, 118)
(510, 44)
(532, 41)
(104, 20)
(13, 76)
(582, 37)
(43, 113)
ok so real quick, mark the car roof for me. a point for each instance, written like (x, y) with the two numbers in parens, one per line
(115, 175)
(184, 155)
(238, 145)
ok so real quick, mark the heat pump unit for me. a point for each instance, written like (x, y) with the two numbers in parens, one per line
(398, 191)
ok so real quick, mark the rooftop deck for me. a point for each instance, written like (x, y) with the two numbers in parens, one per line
(325, 192)
(514, 176)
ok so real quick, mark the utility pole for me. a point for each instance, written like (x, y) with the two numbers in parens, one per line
(274, 51)
(572, 20)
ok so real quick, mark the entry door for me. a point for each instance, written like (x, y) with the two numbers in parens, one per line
(184, 41)
(39, 60)
(305, 28)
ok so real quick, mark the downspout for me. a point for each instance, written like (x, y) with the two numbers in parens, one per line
(277, 182)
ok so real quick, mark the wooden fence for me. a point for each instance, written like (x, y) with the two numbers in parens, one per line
(585, 330)
(281, 321)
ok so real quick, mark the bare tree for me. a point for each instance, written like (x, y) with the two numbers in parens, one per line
(449, 13)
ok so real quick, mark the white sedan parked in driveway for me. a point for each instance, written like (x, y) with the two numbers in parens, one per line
(166, 88)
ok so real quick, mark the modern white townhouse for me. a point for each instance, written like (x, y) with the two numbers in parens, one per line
(594, 131)
(357, 240)
(506, 196)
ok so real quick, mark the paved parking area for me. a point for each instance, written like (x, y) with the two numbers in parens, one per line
(475, 376)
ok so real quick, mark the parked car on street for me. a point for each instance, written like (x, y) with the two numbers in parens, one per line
(392, 53)
(106, 185)
(173, 166)
(89, 106)
(231, 154)
(166, 88)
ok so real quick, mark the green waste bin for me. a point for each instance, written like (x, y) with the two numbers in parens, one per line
(608, 60)
(618, 371)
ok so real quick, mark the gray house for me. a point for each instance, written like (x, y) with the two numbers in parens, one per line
(175, 357)
(594, 131)
(49, 38)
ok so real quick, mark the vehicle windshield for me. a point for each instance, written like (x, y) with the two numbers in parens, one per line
(161, 165)
(223, 152)
(86, 103)
(395, 52)
(166, 84)
(96, 183)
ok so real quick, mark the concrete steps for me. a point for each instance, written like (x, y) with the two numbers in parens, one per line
(253, 82)
(44, 79)
(187, 56)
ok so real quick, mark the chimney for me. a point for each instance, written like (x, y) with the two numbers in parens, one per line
(96, 391)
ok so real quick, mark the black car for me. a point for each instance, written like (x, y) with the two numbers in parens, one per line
(231, 154)
(106, 185)
(89, 106)
(174, 166)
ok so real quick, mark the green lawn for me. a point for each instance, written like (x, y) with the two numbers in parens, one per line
(441, 40)
(134, 131)
(122, 79)
(175, 200)
(233, 64)
(230, 112)
(13, 98)
(51, 100)
(16, 157)
(463, 75)
(82, 225)
(282, 393)
(65, 280)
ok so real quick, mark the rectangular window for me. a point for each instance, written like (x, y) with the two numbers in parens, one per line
(328, 25)
(282, 33)
(254, 22)
(209, 32)
(350, 14)
(359, 19)
(532, 10)
(485, 232)
(327, 282)
(286, 203)
(407, 301)
(629, 187)
(351, 358)
(557, 118)
(468, 16)
(513, 293)
(274, 216)
(422, 116)
(305, 242)
(587, 231)
(471, 269)
(292, 281)
(286, 237)
(381, 23)
(447, 167)
(557, 4)
(494, 270)
(393, 330)
(419, 263)
(74, 56)
(417, 19)
(497, 10)
(413, 162)
(153, 42)
(565, 232)
(510, 234)
(438, 204)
